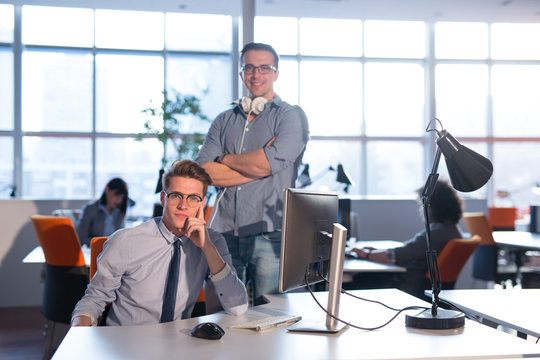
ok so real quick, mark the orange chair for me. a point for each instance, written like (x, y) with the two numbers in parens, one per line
(485, 265)
(96, 246)
(66, 275)
(207, 213)
(502, 218)
(452, 259)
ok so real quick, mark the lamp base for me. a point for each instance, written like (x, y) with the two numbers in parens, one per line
(445, 319)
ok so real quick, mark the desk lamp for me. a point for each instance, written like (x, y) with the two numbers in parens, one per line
(468, 171)
(304, 179)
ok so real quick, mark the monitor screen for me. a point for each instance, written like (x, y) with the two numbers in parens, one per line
(308, 218)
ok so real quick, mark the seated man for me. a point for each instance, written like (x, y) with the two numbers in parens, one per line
(133, 269)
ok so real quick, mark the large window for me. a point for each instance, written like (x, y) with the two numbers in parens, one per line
(369, 88)
(86, 76)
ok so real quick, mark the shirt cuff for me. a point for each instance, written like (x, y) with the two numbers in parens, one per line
(94, 321)
(220, 275)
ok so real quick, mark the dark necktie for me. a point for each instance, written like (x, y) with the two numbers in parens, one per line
(169, 299)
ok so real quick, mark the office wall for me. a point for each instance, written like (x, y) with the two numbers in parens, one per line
(20, 284)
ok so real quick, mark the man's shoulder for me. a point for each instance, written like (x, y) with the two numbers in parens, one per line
(148, 227)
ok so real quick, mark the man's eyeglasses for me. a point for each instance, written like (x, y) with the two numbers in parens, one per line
(175, 198)
(263, 69)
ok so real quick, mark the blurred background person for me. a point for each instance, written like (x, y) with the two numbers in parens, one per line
(104, 216)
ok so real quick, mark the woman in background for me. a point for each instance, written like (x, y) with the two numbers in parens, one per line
(445, 211)
(104, 216)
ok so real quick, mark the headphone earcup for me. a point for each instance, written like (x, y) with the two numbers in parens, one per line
(246, 104)
(257, 105)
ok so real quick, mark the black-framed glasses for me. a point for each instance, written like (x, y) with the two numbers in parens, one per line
(263, 69)
(175, 198)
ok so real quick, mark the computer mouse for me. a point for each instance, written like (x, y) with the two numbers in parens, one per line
(208, 330)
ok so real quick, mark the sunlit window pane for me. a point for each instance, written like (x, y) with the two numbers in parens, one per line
(394, 99)
(45, 25)
(125, 85)
(279, 32)
(323, 157)
(394, 168)
(515, 41)
(57, 91)
(395, 39)
(514, 170)
(129, 29)
(6, 23)
(286, 86)
(6, 166)
(331, 96)
(515, 92)
(6, 89)
(137, 162)
(201, 32)
(194, 75)
(57, 168)
(326, 37)
(461, 40)
(461, 92)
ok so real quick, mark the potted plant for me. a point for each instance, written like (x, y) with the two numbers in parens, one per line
(165, 123)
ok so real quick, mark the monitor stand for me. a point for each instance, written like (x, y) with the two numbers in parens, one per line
(335, 277)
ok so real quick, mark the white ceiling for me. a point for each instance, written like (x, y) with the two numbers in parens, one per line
(426, 10)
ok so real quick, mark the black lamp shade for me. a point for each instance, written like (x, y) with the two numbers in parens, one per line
(468, 170)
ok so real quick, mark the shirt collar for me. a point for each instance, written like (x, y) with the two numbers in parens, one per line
(167, 235)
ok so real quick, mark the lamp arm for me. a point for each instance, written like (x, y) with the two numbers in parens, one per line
(431, 255)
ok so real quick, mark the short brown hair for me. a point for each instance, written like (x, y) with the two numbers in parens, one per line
(188, 169)
(260, 46)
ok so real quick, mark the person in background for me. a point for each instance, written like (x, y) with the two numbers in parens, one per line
(134, 270)
(252, 153)
(104, 216)
(445, 211)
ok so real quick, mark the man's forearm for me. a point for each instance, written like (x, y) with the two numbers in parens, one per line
(224, 176)
(252, 164)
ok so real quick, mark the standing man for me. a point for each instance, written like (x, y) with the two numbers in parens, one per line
(135, 270)
(252, 152)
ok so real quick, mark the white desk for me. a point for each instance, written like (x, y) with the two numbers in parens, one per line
(36, 256)
(517, 308)
(522, 240)
(361, 265)
(396, 341)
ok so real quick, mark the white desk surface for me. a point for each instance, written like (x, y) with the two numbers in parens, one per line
(518, 239)
(514, 308)
(361, 265)
(36, 256)
(396, 341)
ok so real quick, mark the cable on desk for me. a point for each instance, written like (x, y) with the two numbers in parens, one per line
(398, 311)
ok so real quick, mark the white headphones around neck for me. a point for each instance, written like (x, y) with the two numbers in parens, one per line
(255, 106)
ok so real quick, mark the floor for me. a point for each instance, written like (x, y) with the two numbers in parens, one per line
(21, 333)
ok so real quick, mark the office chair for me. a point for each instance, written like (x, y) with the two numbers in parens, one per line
(452, 259)
(502, 218)
(66, 275)
(485, 265)
(96, 246)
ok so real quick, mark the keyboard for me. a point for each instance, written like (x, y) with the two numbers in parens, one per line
(267, 323)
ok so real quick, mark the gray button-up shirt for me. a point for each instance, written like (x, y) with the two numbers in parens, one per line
(257, 206)
(132, 273)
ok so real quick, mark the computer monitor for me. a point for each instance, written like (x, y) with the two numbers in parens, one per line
(312, 244)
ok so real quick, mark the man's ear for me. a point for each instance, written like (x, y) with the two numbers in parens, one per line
(162, 198)
(276, 75)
